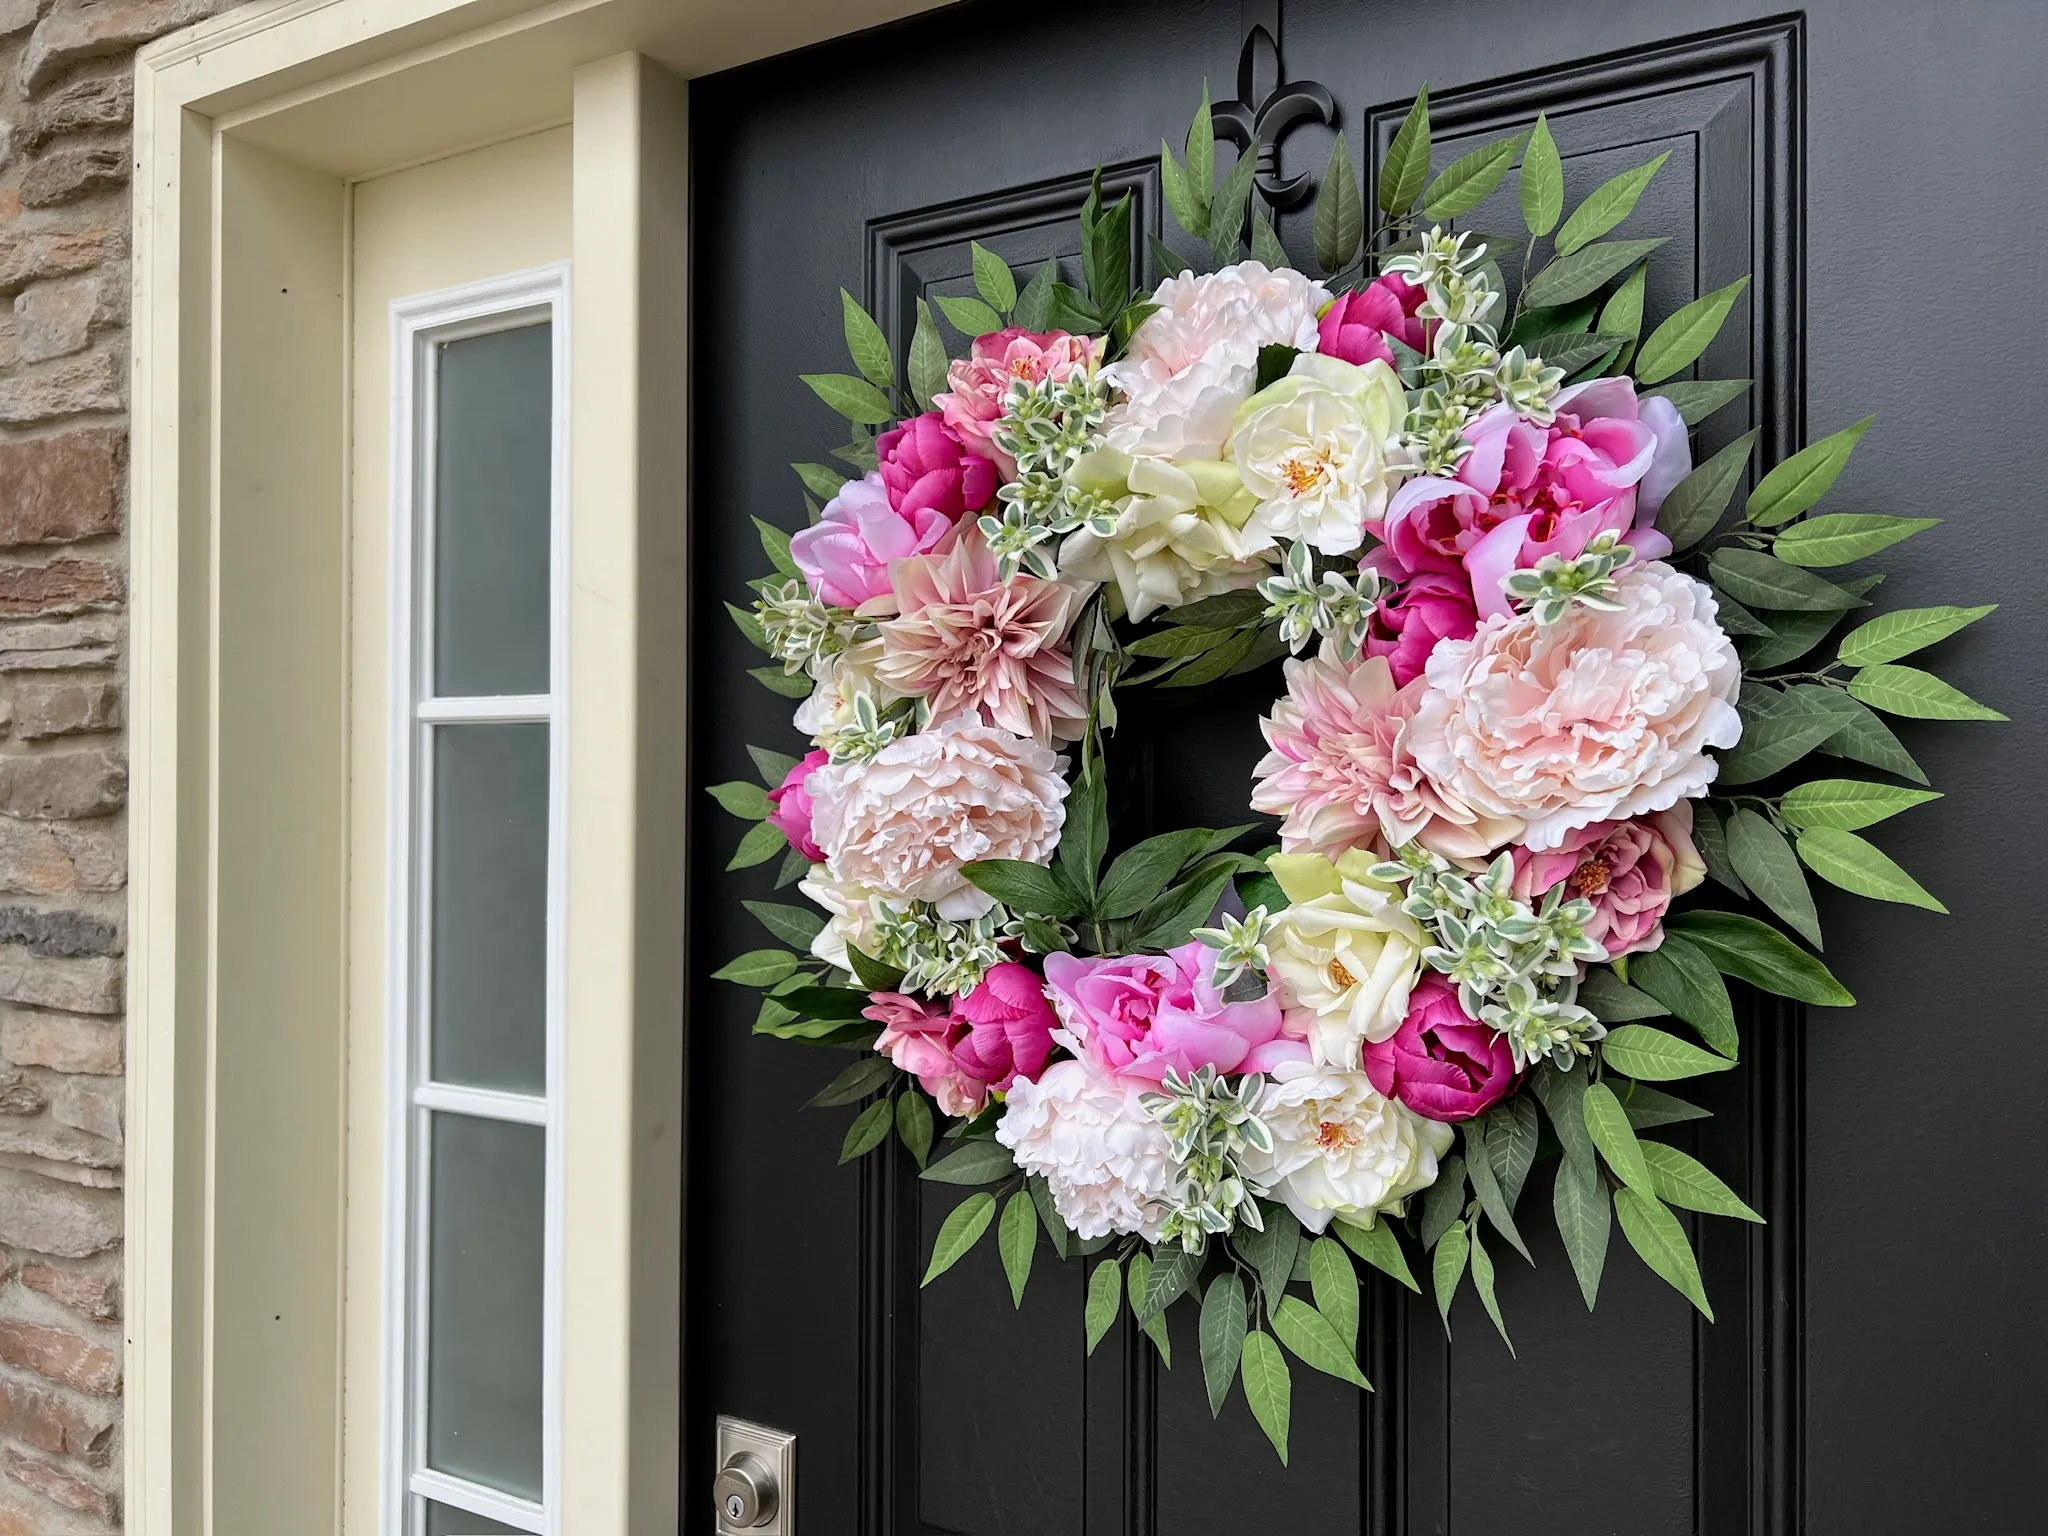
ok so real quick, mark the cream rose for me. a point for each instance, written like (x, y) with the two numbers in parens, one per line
(1180, 531)
(1598, 717)
(1320, 449)
(1341, 1148)
(1344, 955)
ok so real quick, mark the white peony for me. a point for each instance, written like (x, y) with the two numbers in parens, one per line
(1344, 955)
(1107, 1162)
(1194, 362)
(903, 822)
(1180, 531)
(1321, 450)
(1598, 717)
(1341, 1148)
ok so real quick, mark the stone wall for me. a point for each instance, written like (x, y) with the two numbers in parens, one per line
(65, 97)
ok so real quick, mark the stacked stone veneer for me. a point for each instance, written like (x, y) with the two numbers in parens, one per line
(66, 95)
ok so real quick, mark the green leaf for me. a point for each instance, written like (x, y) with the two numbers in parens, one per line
(1025, 887)
(1379, 1247)
(1683, 978)
(1864, 738)
(1105, 1292)
(1607, 205)
(773, 767)
(1340, 212)
(1609, 1128)
(1696, 503)
(869, 1130)
(993, 279)
(822, 480)
(1512, 1133)
(1201, 148)
(758, 968)
(1448, 1268)
(1579, 1202)
(1143, 871)
(1215, 663)
(1166, 1284)
(1227, 212)
(1034, 304)
(1267, 1388)
(1849, 803)
(1167, 922)
(1804, 478)
(1470, 179)
(1792, 636)
(1764, 581)
(927, 359)
(1406, 166)
(1166, 262)
(1738, 620)
(1771, 870)
(1622, 315)
(1915, 694)
(1482, 1282)
(1696, 400)
(1585, 271)
(749, 801)
(970, 317)
(775, 544)
(1137, 1277)
(1106, 257)
(1271, 1252)
(1266, 244)
(1226, 610)
(1178, 642)
(1189, 212)
(1057, 1231)
(1562, 1095)
(1086, 835)
(1542, 181)
(866, 344)
(1017, 1241)
(855, 399)
(1657, 1237)
(855, 1083)
(1222, 1334)
(1314, 1341)
(914, 1125)
(841, 1003)
(1892, 635)
(1710, 836)
(1757, 953)
(1479, 1168)
(1844, 859)
(1572, 350)
(791, 685)
(1682, 338)
(1650, 1107)
(1444, 1200)
(958, 1233)
(975, 1162)
(1684, 1181)
(1836, 538)
(1655, 1057)
(1334, 1284)
(792, 925)
(1614, 1001)
(871, 973)
(1807, 716)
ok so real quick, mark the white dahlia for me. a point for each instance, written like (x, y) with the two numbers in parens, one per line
(1108, 1163)
(1341, 1148)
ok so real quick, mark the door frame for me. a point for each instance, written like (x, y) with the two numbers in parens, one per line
(250, 129)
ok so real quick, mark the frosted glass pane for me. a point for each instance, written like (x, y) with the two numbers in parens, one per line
(442, 1520)
(484, 1302)
(490, 880)
(494, 407)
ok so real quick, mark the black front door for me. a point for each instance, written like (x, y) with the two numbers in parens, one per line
(1873, 164)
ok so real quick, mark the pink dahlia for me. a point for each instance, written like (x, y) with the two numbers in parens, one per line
(1631, 872)
(981, 380)
(965, 639)
(1341, 773)
(845, 555)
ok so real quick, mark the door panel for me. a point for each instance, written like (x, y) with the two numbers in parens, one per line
(872, 162)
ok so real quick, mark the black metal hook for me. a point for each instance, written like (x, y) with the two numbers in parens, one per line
(1265, 109)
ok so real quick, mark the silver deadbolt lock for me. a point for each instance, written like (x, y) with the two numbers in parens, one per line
(756, 1479)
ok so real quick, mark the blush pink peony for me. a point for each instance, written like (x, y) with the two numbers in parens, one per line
(980, 381)
(965, 639)
(1341, 774)
(1356, 325)
(927, 468)
(980, 1045)
(902, 823)
(1631, 871)
(1442, 1063)
(1133, 1016)
(792, 808)
(845, 555)
(1598, 717)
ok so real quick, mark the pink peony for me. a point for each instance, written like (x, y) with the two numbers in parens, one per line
(965, 639)
(1598, 717)
(981, 380)
(1442, 1063)
(927, 468)
(793, 808)
(1133, 1016)
(982, 1043)
(1526, 491)
(1341, 774)
(1356, 324)
(902, 823)
(845, 555)
(1631, 871)
(1424, 607)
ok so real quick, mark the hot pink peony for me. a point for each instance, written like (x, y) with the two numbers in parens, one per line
(982, 1043)
(965, 639)
(793, 808)
(1341, 774)
(927, 468)
(1630, 871)
(1526, 491)
(1442, 1063)
(981, 380)
(1133, 1016)
(1356, 325)
(845, 555)
(1598, 717)
(1424, 607)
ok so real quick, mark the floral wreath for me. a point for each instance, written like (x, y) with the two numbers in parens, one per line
(1541, 686)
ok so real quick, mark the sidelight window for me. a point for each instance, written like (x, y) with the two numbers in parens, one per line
(473, 1193)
